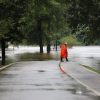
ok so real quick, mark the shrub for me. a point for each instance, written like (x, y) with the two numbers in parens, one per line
(71, 40)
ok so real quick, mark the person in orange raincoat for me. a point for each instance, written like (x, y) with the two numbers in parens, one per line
(63, 52)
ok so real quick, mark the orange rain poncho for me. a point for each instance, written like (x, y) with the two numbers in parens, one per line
(63, 52)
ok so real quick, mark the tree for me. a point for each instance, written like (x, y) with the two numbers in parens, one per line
(83, 12)
(70, 39)
(43, 21)
(10, 13)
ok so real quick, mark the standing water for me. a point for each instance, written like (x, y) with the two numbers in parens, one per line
(86, 55)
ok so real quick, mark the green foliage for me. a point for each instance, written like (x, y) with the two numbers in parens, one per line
(11, 11)
(42, 20)
(4, 27)
(45, 12)
(71, 40)
(83, 12)
(82, 33)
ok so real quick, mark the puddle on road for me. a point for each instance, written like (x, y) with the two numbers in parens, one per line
(41, 70)
(95, 97)
(7, 75)
(79, 89)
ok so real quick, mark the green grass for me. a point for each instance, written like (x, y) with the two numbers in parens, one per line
(34, 56)
(91, 68)
(29, 57)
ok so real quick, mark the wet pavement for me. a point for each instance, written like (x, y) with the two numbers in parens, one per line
(40, 80)
(84, 76)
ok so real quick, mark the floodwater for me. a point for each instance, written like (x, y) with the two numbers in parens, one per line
(86, 55)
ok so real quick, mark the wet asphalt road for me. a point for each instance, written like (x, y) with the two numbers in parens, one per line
(40, 80)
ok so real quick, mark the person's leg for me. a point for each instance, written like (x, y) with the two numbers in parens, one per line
(66, 59)
(61, 59)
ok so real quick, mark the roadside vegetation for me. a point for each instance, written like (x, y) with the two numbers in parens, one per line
(34, 56)
(71, 40)
(91, 68)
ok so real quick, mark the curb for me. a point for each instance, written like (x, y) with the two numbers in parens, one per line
(91, 69)
(89, 88)
(2, 68)
(63, 71)
(61, 68)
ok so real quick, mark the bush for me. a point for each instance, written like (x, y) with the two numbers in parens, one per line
(71, 40)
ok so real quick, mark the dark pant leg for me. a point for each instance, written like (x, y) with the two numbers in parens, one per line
(66, 59)
(61, 59)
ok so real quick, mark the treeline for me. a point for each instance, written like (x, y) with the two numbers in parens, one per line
(84, 19)
(46, 21)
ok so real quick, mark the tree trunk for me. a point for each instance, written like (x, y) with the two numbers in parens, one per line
(3, 51)
(40, 36)
(41, 46)
(48, 39)
(48, 48)
(56, 45)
